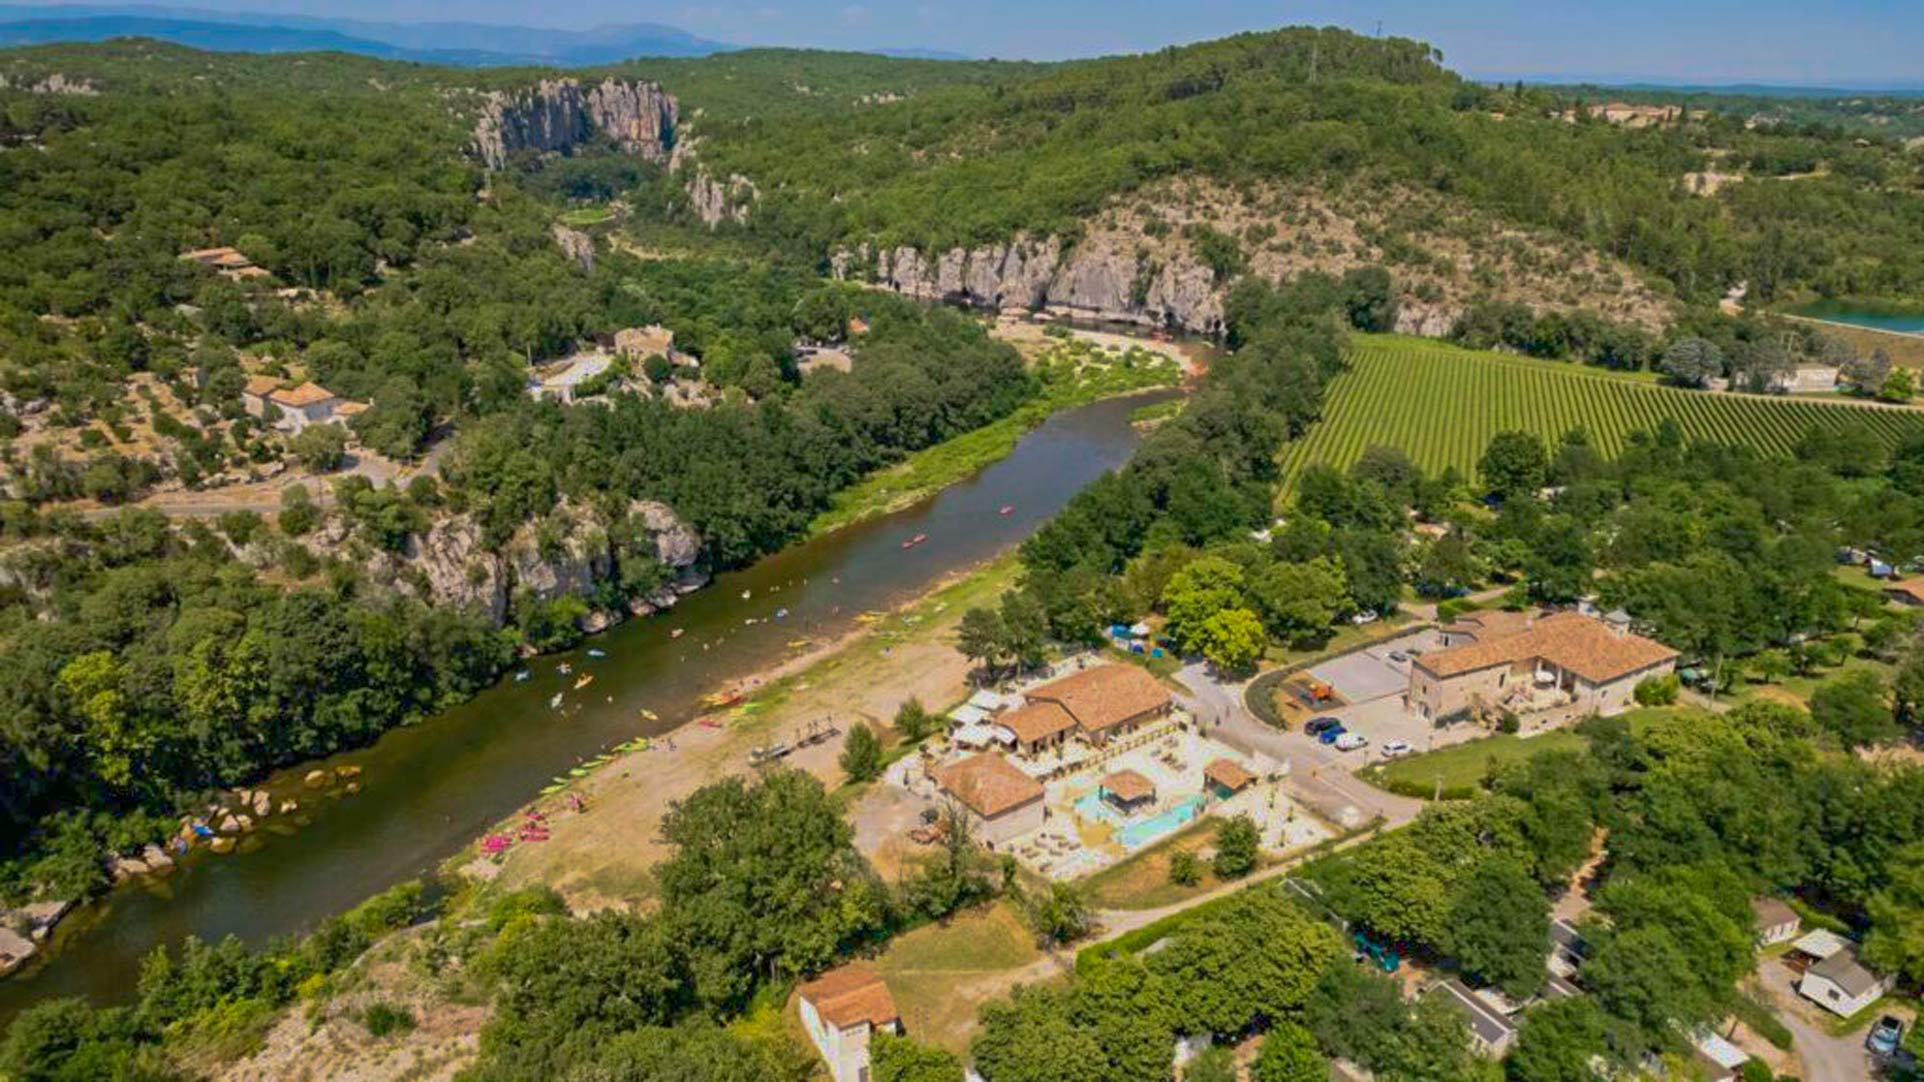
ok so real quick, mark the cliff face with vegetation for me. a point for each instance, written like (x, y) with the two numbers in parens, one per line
(558, 115)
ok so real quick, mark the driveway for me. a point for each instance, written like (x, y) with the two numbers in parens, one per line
(1825, 1058)
(1319, 775)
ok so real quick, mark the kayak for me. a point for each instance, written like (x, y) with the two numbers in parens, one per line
(1007, 509)
(555, 703)
(597, 653)
(650, 715)
(522, 675)
(585, 680)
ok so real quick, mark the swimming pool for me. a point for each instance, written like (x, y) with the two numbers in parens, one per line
(1134, 835)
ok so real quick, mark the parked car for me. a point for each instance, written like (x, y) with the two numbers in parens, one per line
(1316, 725)
(1884, 1036)
(1351, 741)
(1331, 734)
(1367, 616)
(1396, 749)
(1399, 657)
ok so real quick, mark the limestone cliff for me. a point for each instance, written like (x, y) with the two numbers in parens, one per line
(558, 115)
(1136, 260)
(569, 553)
(1100, 278)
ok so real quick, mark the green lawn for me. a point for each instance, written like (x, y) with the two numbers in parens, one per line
(1441, 404)
(581, 216)
(1463, 766)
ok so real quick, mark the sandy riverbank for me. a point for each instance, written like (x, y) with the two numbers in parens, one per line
(604, 856)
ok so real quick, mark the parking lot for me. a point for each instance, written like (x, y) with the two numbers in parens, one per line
(1373, 681)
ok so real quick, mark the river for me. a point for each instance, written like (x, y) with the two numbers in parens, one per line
(429, 789)
(1889, 319)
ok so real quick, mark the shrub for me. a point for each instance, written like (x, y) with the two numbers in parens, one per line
(383, 1018)
(861, 753)
(1185, 870)
(1236, 841)
(1657, 690)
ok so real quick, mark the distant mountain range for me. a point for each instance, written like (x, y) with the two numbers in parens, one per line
(460, 43)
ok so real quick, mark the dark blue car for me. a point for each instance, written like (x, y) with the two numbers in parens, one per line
(1329, 735)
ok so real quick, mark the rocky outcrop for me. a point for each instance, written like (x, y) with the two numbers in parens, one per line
(55, 83)
(1102, 278)
(569, 553)
(558, 115)
(579, 247)
(716, 202)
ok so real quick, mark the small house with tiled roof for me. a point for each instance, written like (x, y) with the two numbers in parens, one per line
(1594, 665)
(842, 1010)
(1106, 700)
(1001, 800)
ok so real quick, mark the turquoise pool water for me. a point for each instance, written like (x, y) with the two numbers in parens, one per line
(1842, 312)
(1135, 834)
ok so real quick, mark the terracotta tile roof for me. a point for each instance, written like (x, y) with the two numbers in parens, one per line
(1568, 640)
(851, 995)
(1128, 786)
(1036, 721)
(306, 394)
(988, 784)
(1912, 588)
(1104, 696)
(261, 386)
(1229, 774)
(351, 409)
(1489, 625)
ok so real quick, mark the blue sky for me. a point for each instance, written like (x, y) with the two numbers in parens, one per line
(1840, 42)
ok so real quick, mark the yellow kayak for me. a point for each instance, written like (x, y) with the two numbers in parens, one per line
(584, 681)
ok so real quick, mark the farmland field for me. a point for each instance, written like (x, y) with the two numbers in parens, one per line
(1441, 404)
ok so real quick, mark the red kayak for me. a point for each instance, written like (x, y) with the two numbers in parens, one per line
(914, 541)
(1006, 510)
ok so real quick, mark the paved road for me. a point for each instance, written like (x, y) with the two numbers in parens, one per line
(1319, 775)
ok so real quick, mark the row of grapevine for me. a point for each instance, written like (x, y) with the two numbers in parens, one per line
(1441, 405)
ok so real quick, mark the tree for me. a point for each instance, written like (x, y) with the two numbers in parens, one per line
(913, 721)
(1236, 847)
(1058, 912)
(1289, 1055)
(1299, 601)
(1853, 707)
(763, 876)
(1513, 466)
(980, 637)
(1898, 387)
(1025, 629)
(1232, 640)
(1217, 1063)
(861, 757)
(1867, 372)
(320, 448)
(1500, 927)
(1558, 1041)
(1691, 362)
(1896, 940)
(1185, 870)
(899, 1059)
(822, 315)
(1207, 586)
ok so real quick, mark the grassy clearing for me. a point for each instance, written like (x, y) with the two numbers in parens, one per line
(1463, 766)
(581, 216)
(941, 973)
(1441, 404)
(932, 469)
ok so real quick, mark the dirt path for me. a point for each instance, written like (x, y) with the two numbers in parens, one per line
(605, 856)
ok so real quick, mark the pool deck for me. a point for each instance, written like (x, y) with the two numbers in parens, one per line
(1078, 837)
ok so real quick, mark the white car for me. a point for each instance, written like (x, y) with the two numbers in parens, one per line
(1351, 741)
(1367, 616)
(1396, 749)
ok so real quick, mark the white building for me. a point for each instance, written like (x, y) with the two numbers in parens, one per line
(291, 409)
(1840, 983)
(842, 1009)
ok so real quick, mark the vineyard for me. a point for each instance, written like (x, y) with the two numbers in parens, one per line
(1441, 404)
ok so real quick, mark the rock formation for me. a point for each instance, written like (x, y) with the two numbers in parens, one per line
(577, 246)
(715, 201)
(1099, 279)
(557, 115)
